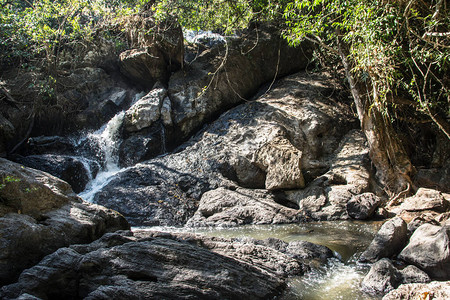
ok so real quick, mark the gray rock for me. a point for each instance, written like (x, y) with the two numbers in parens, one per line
(223, 207)
(166, 190)
(326, 197)
(145, 112)
(160, 265)
(282, 163)
(426, 199)
(40, 213)
(382, 278)
(434, 290)
(158, 51)
(74, 170)
(363, 206)
(412, 274)
(429, 249)
(388, 242)
(254, 54)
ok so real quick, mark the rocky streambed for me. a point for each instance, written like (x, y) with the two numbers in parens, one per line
(242, 190)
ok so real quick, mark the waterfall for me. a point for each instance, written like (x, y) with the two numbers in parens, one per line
(107, 141)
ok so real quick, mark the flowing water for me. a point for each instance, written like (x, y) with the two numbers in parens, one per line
(106, 140)
(338, 279)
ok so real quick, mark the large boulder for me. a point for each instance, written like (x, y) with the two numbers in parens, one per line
(160, 265)
(231, 73)
(40, 213)
(435, 290)
(429, 249)
(388, 242)
(223, 207)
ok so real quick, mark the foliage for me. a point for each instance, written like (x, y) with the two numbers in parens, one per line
(36, 29)
(8, 179)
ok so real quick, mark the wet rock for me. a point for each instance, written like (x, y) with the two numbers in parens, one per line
(433, 290)
(388, 241)
(326, 197)
(49, 145)
(40, 213)
(428, 249)
(159, 265)
(382, 278)
(223, 207)
(363, 206)
(137, 148)
(74, 170)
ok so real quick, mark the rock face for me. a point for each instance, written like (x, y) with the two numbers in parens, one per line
(389, 241)
(223, 207)
(39, 214)
(384, 277)
(326, 197)
(158, 265)
(261, 54)
(429, 249)
(294, 121)
(433, 290)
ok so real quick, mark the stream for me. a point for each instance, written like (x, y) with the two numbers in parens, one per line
(338, 279)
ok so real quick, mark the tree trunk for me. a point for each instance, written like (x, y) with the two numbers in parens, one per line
(393, 166)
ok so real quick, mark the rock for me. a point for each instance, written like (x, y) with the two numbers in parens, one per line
(158, 51)
(434, 290)
(434, 178)
(426, 199)
(7, 131)
(254, 54)
(160, 265)
(137, 148)
(419, 221)
(145, 111)
(50, 145)
(326, 197)
(388, 241)
(73, 170)
(429, 249)
(222, 207)
(363, 206)
(166, 190)
(412, 274)
(282, 163)
(40, 213)
(382, 278)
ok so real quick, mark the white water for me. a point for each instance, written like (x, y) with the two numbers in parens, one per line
(107, 140)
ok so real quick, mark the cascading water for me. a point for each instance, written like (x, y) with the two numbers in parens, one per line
(107, 141)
